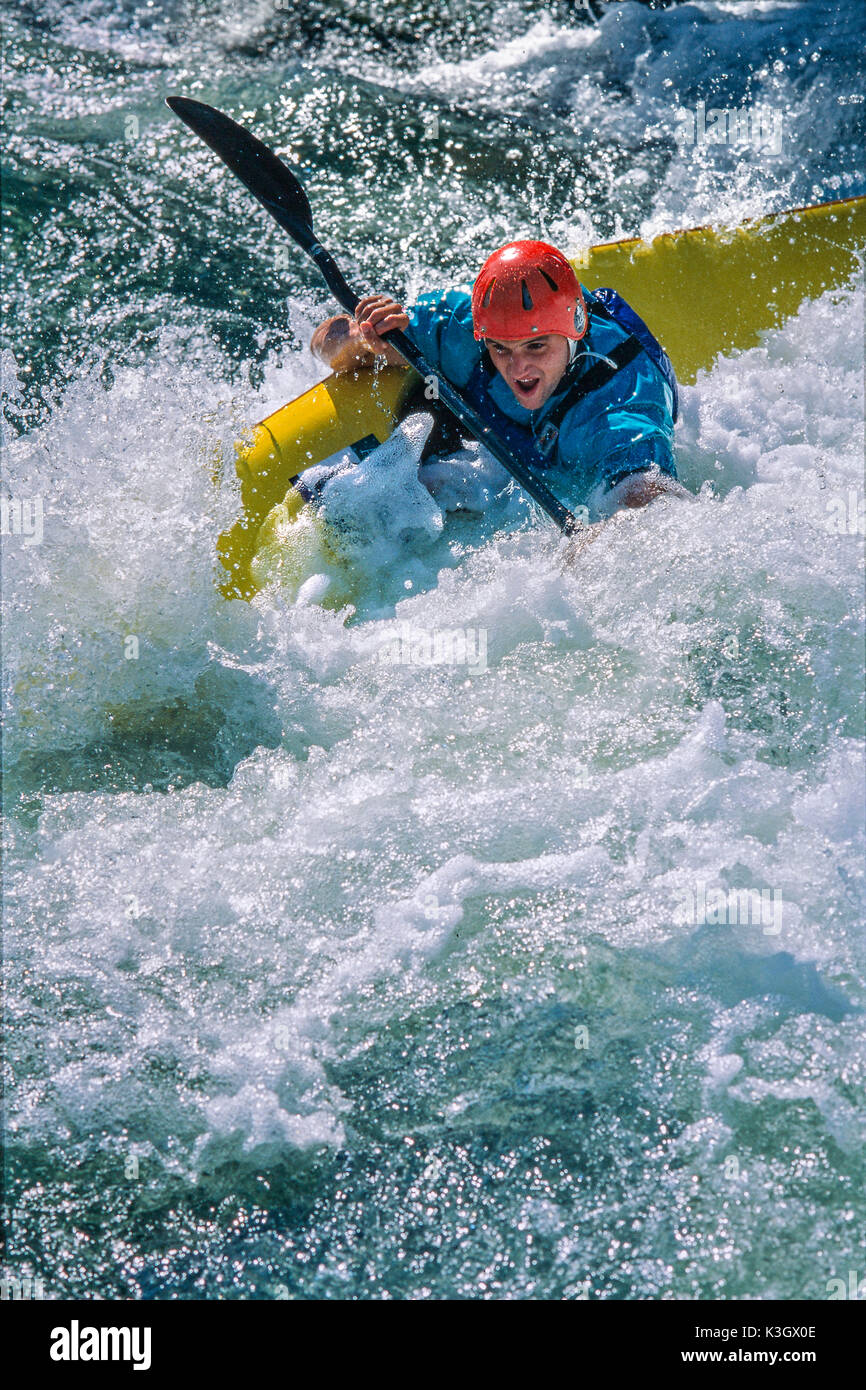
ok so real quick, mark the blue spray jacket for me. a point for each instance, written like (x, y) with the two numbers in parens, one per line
(623, 425)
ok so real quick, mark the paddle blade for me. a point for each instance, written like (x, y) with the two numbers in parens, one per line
(266, 176)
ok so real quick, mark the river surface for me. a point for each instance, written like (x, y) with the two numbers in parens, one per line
(333, 974)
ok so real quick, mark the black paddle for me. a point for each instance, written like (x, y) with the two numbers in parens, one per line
(278, 190)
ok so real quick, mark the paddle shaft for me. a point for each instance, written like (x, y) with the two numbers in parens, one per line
(282, 195)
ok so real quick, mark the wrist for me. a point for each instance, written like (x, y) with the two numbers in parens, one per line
(351, 355)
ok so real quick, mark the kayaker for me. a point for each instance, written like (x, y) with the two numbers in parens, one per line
(573, 380)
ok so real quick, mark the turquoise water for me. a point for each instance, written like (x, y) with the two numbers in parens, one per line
(331, 976)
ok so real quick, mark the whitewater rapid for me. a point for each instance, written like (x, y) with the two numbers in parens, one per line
(334, 968)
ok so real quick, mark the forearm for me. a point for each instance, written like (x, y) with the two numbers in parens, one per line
(635, 490)
(638, 489)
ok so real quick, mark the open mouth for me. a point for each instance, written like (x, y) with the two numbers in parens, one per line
(524, 386)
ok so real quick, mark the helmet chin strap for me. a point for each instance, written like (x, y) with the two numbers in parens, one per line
(576, 348)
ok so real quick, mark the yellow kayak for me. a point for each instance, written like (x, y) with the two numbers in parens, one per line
(703, 292)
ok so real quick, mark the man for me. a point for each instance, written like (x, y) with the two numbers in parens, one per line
(572, 380)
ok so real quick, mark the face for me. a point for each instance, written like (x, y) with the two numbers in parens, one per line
(533, 367)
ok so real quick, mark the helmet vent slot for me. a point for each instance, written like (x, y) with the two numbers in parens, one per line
(525, 296)
(487, 293)
(549, 278)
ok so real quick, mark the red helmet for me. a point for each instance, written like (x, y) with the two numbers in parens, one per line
(527, 287)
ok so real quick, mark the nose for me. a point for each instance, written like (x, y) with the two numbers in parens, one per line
(520, 364)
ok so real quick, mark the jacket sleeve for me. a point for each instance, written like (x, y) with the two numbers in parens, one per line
(441, 325)
(623, 428)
